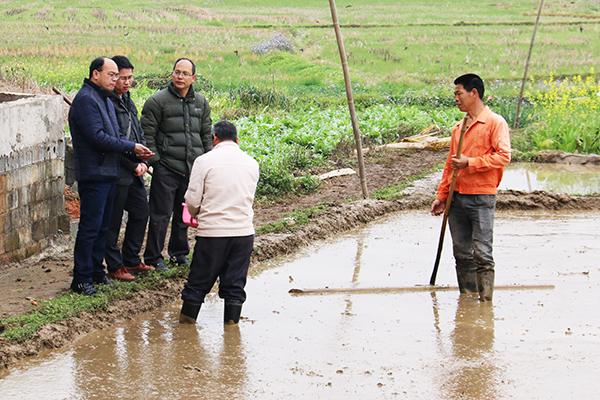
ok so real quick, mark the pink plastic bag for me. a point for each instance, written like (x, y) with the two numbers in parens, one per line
(187, 218)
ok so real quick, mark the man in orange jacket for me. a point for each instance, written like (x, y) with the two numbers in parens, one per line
(485, 153)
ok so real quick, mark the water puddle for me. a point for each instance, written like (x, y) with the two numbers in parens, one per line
(555, 178)
(538, 344)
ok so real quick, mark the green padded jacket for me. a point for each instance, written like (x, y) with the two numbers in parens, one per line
(176, 128)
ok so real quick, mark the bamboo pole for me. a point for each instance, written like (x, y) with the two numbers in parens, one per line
(520, 101)
(438, 255)
(349, 95)
(407, 289)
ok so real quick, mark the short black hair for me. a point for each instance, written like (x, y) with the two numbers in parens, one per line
(187, 59)
(122, 62)
(470, 82)
(225, 130)
(96, 65)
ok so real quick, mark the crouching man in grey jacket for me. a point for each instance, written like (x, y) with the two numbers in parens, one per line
(220, 195)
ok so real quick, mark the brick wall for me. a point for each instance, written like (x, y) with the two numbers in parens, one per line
(32, 149)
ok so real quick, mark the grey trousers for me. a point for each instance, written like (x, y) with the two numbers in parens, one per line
(471, 221)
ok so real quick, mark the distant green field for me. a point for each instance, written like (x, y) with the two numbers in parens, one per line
(392, 45)
(290, 105)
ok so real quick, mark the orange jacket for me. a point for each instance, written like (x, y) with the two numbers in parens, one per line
(487, 145)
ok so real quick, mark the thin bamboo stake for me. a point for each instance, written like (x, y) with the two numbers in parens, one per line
(407, 289)
(355, 128)
(537, 21)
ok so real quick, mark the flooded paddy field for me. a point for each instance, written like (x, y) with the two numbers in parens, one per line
(575, 179)
(534, 344)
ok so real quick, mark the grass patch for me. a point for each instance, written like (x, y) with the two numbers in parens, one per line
(294, 220)
(22, 327)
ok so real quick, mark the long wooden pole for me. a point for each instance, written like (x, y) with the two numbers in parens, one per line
(537, 22)
(406, 289)
(438, 256)
(355, 128)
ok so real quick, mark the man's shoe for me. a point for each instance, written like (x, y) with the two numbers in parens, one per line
(180, 261)
(231, 315)
(189, 313)
(103, 281)
(85, 288)
(159, 265)
(122, 274)
(139, 268)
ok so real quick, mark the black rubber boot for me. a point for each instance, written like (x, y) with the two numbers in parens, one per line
(189, 313)
(231, 315)
(485, 282)
(467, 282)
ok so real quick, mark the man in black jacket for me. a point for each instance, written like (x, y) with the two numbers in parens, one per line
(97, 147)
(177, 126)
(130, 192)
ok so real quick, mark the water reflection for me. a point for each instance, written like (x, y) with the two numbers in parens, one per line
(473, 372)
(173, 362)
(556, 178)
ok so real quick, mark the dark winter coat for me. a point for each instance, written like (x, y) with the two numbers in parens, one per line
(130, 128)
(97, 144)
(176, 128)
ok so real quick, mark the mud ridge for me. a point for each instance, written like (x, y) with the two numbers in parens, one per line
(540, 200)
(560, 157)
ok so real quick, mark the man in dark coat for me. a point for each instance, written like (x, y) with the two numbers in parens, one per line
(177, 126)
(130, 193)
(97, 147)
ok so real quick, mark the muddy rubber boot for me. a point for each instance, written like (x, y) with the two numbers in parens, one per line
(189, 313)
(231, 315)
(485, 282)
(467, 282)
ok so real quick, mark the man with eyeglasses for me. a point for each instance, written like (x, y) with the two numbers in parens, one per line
(177, 126)
(130, 192)
(97, 147)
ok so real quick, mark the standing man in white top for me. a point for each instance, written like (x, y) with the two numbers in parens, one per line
(220, 195)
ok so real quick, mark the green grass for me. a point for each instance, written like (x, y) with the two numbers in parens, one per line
(391, 44)
(293, 220)
(21, 327)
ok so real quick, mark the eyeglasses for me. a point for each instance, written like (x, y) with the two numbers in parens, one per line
(126, 78)
(185, 74)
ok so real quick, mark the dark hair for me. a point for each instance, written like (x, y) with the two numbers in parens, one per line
(470, 82)
(225, 130)
(96, 65)
(122, 62)
(187, 59)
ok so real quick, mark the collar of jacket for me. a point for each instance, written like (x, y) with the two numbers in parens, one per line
(190, 97)
(101, 92)
(124, 100)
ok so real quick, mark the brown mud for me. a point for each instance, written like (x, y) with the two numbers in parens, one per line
(22, 285)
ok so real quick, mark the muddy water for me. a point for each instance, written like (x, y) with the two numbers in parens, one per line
(531, 344)
(555, 178)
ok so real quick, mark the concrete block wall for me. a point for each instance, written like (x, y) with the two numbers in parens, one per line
(32, 150)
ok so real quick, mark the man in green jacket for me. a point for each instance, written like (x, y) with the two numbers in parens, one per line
(177, 126)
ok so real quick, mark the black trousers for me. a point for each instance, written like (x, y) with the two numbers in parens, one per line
(167, 192)
(133, 199)
(226, 258)
(95, 214)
